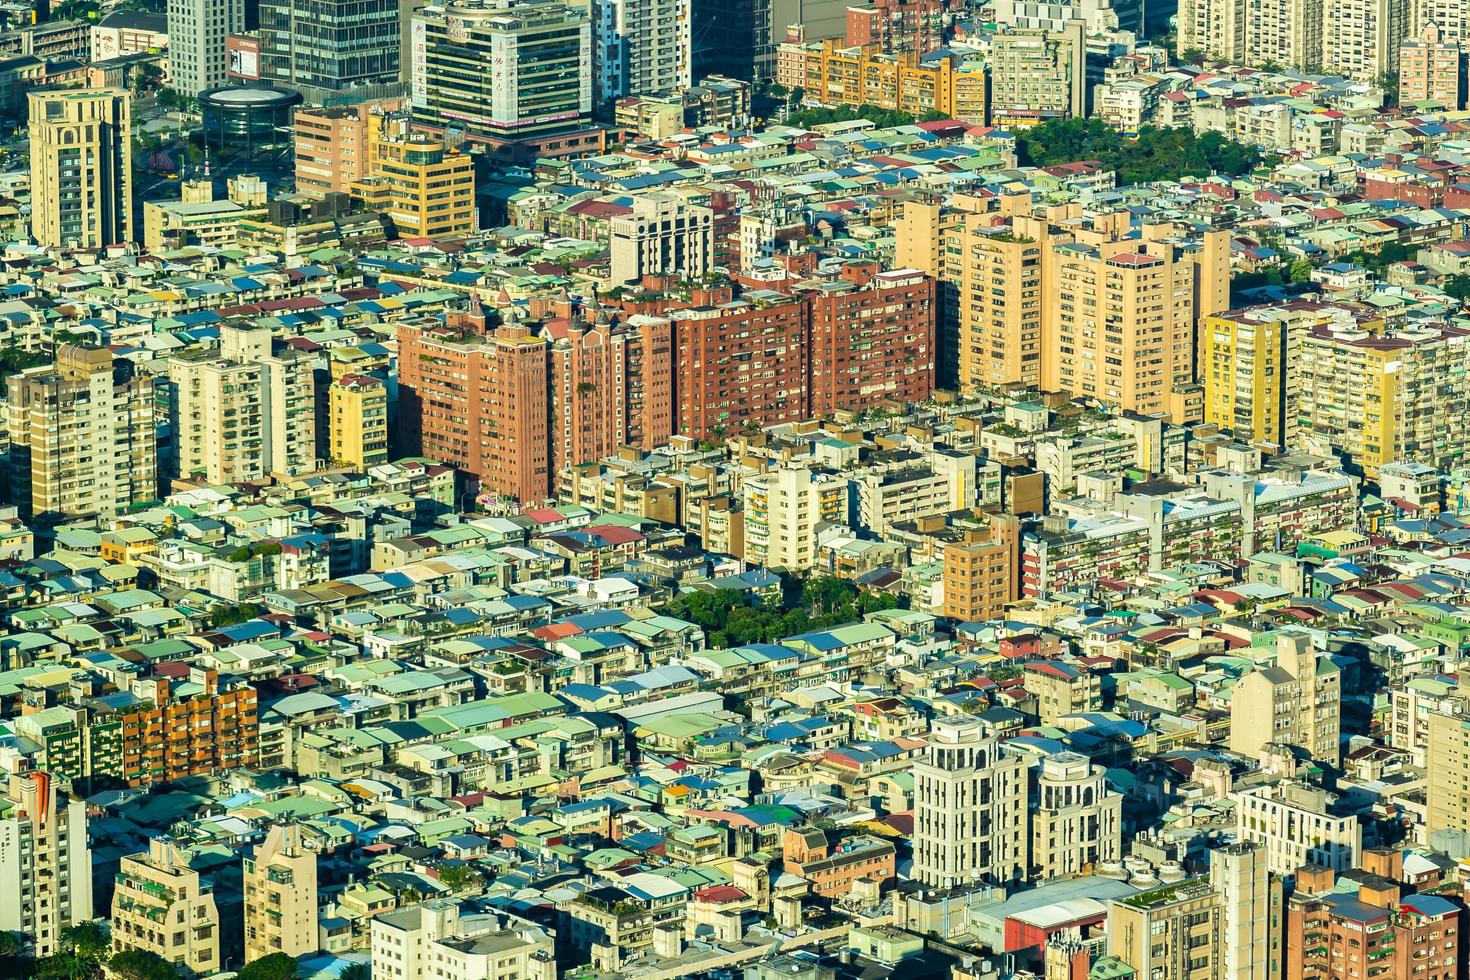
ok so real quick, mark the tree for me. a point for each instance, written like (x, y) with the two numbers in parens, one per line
(1300, 271)
(1458, 287)
(140, 964)
(89, 941)
(15, 956)
(1157, 153)
(458, 876)
(276, 966)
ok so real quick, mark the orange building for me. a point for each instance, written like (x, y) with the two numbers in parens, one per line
(981, 575)
(168, 737)
(833, 869)
(333, 146)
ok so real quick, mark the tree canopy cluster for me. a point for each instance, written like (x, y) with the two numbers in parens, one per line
(880, 118)
(816, 603)
(1156, 153)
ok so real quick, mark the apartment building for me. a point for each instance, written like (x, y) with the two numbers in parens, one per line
(782, 510)
(280, 896)
(833, 868)
(357, 414)
(45, 858)
(1077, 822)
(332, 145)
(1361, 38)
(438, 940)
(1288, 33)
(83, 436)
(197, 31)
(871, 337)
(1298, 824)
(970, 800)
(640, 47)
(1448, 794)
(1411, 709)
(1432, 70)
(1061, 688)
(162, 906)
(1336, 935)
(81, 155)
(1374, 395)
(981, 574)
(835, 75)
(1296, 701)
(243, 412)
(663, 235)
(1038, 75)
(1203, 928)
(1245, 359)
(211, 727)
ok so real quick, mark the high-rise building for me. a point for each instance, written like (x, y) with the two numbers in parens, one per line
(970, 800)
(1432, 70)
(81, 167)
(197, 31)
(663, 235)
(1448, 745)
(332, 150)
(833, 74)
(1371, 931)
(1245, 359)
(1077, 822)
(1250, 912)
(1361, 38)
(427, 189)
(280, 896)
(871, 338)
(161, 906)
(1287, 33)
(782, 511)
(1038, 75)
(640, 47)
(243, 412)
(83, 436)
(1371, 395)
(331, 50)
(45, 860)
(1119, 317)
(897, 26)
(514, 75)
(1450, 16)
(1296, 701)
(357, 414)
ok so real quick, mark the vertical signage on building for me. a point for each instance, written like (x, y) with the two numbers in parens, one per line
(418, 65)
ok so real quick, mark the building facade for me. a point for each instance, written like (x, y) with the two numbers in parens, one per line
(81, 167)
(280, 896)
(162, 906)
(1077, 822)
(45, 859)
(197, 32)
(331, 50)
(969, 809)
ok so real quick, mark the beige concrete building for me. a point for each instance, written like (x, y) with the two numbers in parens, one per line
(83, 436)
(1038, 75)
(1432, 70)
(969, 809)
(332, 146)
(1077, 822)
(1448, 794)
(438, 941)
(1298, 824)
(426, 188)
(1226, 925)
(161, 906)
(357, 421)
(243, 412)
(280, 896)
(81, 167)
(982, 573)
(1244, 359)
(1361, 38)
(782, 511)
(1296, 701)
(1287, 33)
(665, 235)
(45, 860)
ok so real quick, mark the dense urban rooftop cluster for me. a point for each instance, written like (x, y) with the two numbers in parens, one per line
(519, 490)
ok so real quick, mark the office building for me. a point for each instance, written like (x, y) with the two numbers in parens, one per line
(331, 51)
(438, 940)
(513, 76)
(1361, 38)
(663, 235)
(162, 906)
(1296, 701)
(83, 436)
(45, 859)
(640, 47)
(1372, 395)
(243, 412)
(970, 801)
(1077, 822)
(1245, 358)
(357, 421)
(280, 896)
(426, 189)
(1298, 824)
(1432, 70)
(81, 167)
(783, 509)
(982, 573)
(1038, 75)
(197, 32)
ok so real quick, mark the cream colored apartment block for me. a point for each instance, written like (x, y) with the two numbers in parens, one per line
(1295, 701)
(81, 167)
(280, 896)
(161, 906)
